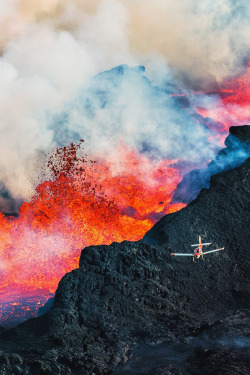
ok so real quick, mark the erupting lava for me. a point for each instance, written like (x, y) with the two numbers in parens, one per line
(83, 203)
(89, 203)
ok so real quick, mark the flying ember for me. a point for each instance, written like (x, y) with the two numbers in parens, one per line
(83, 203)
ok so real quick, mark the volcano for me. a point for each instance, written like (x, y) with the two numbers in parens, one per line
(131, 301)
(129, 185)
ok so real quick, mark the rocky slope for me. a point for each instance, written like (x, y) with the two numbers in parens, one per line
(129, 296)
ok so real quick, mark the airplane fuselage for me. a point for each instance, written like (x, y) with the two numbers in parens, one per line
(198, 252)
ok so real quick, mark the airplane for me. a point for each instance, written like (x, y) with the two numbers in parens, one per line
(198, 251)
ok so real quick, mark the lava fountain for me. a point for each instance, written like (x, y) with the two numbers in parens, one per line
(90, 202)
(83, 203)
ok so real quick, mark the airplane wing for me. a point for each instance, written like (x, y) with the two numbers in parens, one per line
(213, 251)
(183, 255)
(208, 243)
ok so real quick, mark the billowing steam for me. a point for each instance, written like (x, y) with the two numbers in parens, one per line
(51, 49)
(199, 39)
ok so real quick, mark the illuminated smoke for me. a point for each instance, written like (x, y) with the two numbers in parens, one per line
(203, 41)
(51, 49)
(231, 105)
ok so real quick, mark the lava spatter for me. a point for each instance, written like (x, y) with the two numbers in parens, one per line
(83, 203)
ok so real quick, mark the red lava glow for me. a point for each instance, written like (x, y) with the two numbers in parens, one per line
(88, 202)
(234, 105)
(19, 302)
(83, 203)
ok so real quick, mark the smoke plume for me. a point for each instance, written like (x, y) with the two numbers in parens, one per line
(50, 51)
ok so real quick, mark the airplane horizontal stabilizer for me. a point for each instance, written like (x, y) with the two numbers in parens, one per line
(203, 244)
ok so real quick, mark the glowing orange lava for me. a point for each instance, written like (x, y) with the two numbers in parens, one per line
(83, 203)
(234, 105)
(88, 202)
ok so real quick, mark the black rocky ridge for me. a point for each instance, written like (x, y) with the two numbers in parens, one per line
(133, 301)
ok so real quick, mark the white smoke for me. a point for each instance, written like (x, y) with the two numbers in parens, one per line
(203, 41)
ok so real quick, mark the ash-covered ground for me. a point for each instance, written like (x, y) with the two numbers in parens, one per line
(133, 308)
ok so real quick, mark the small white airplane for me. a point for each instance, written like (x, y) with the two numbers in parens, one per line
(198, 251)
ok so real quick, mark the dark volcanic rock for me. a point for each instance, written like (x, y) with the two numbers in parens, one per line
(223, 210)
(135, 293)
(46, 307)
(240, 132)
(219, 348)
(237, 150)
(8, 205)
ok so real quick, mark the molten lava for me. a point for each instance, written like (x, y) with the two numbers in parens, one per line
(83, 203)
(233, 107)
(86, 202)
